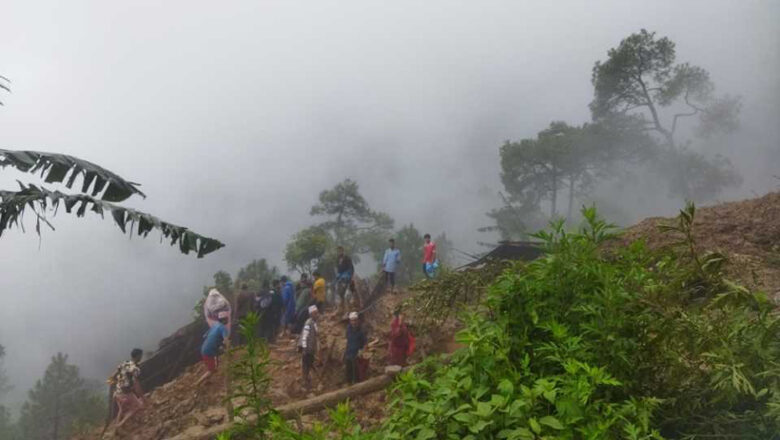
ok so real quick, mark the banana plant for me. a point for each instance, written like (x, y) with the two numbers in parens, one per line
(100, 191)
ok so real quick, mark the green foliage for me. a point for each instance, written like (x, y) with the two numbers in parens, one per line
(5, 385)
(639, 80)
(250, 381)
(96, 181)
(587, 344)
(561, 160)
(224, 283)
(591, 341)
(433, 301)
(60, 403)
(64, 169)
(307, 248)
(341, 425)
(7, 427)
(254, 273)
(350, 220)
(410, 242)
(39, 200)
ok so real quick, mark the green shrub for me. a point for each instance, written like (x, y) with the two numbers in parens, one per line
(585, 343)
(594, 341)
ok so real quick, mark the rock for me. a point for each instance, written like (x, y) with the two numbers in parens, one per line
(393, 369)
(214, 416)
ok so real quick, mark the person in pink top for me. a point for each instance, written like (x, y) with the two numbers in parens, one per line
(429, 254)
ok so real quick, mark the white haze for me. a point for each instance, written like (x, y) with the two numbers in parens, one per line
(234, 117)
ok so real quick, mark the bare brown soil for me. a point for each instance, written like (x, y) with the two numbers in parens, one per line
(747, 232)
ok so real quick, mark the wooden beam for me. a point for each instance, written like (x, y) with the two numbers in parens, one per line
(307, 406)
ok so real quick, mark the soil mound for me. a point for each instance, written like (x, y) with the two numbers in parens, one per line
(748, 232)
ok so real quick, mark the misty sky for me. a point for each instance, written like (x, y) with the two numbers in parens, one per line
(234, 117)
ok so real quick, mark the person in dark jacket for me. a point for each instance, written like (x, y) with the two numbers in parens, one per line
(288, 301)
(275, 316)
(345, 270)
(262, 306)
(244, 304)
(356, 341)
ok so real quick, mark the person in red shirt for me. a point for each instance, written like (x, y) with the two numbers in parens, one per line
(429, 255)
(401, 340)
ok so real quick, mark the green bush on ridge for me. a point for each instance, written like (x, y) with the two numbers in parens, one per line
(597, 342)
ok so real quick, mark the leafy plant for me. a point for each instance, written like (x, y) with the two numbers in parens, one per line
(585, 343)
(100, 190)
(250, 382)
(591, 341)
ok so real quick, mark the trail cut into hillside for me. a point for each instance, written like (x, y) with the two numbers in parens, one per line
(746, 232)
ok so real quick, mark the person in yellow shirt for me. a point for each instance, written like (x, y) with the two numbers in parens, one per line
(318, 290)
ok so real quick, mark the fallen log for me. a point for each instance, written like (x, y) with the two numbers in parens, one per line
(306, 406)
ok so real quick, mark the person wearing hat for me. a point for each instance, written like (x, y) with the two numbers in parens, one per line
(307, 344)
(356, 340)
(215, 337)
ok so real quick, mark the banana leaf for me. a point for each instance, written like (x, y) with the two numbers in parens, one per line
(14, 203)
(61, 168)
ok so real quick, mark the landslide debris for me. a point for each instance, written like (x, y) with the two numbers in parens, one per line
(747, 232)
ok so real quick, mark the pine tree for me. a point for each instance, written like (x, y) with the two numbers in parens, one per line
(58, 402)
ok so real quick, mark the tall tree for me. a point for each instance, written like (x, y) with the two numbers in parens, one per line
(254, 273)
(58, 402)
(223, 282)
(558, 160)
(350, 220)
(7, 426)
(307, 248)
(641, 80)
(5, 385)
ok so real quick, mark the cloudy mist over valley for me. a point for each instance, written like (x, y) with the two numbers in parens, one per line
(234, 118)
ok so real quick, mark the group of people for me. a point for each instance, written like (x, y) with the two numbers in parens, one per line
(287, 309)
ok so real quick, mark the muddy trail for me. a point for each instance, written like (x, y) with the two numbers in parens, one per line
(179, 407)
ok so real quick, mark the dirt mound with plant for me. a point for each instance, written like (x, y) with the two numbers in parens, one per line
(747, 232)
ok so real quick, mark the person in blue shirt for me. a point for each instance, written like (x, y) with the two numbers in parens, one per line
(288, 301)
(390, 264)
(215, 337)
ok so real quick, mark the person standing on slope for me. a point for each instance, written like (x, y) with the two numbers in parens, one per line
(345, 271)
(356, 341)
(429, 256)
(390, 263)
(401, 340)
(307, 345)
(288, 301)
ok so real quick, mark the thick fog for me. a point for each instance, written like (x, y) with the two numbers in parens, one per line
(235, 116)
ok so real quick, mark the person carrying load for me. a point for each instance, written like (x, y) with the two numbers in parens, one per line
(127, 388)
